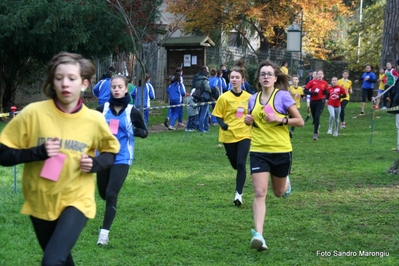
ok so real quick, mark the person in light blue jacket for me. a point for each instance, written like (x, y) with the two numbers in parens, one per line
(176, 92)
(149, 94)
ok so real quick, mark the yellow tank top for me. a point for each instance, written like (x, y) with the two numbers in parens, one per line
(269, 137)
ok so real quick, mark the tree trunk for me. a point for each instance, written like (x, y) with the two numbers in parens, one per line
(390, 41)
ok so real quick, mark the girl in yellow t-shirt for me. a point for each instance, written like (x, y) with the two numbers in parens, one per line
(296, 94)
(381, 88)
(347, 85)
(56, 140)
(230, 110)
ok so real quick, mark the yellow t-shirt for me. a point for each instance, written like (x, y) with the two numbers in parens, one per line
(229, 107)
(79, 133)
(284, 69)
(296, 94)
(347, 85)
(381, 78)
(269, 137)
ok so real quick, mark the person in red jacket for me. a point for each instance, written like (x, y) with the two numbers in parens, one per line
(317, 88)
(334, 95)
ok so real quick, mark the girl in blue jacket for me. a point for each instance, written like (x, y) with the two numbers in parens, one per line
(125, 123)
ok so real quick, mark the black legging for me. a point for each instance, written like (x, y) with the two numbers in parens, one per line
(57, 238)
(342, 114)
(316, 107)
(109, 183)
(237, 153)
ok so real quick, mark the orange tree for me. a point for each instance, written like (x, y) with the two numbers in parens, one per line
(265, 18)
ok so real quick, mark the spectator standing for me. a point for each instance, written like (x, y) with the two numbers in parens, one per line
(102, 90)
(148, 94)
(225, 74)
(176, 94)
(368, 79)
(202, 81)
(284, 67)
(192, 112)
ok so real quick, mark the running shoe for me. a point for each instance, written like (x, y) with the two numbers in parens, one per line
(102, 239)
(166, 122)
(257, 241)
(288, 191)
(335, 133)
(238, 199)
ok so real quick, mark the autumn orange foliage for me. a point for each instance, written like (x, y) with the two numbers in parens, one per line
(267, 18)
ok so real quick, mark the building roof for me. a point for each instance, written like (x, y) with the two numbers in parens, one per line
(192, 41)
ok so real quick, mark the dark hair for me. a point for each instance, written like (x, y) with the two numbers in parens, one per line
(241, 63)
(282, 82)
(129, 79)
(204, 68)
(283, 63)
(240, 70)
(345, 70)
(220, 72)
(175, 78)
(112, 69)
(87, 70)
(213, 72)
(178, 70)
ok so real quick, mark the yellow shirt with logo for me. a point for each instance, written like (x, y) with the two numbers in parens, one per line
(79, 133)
(226, 107)
(347, 85)
(296, 93)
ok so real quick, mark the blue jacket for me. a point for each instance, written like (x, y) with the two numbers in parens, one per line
(368, 84)
(148, 95)
(102, 90)
(176, 92)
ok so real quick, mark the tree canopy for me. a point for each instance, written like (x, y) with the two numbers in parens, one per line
(33, 31)
(266, 18)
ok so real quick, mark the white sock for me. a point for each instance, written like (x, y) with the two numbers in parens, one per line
(104, 232)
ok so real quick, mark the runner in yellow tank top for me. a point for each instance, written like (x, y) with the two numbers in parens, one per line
(272, 110)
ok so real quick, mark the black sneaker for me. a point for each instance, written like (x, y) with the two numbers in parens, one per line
(291, 134)
(307, 118)
(166, 122)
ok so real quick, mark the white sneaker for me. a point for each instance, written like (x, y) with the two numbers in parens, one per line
(171, 128)
(103, 239)
(238, 199)
(329, 131)
(335, 133)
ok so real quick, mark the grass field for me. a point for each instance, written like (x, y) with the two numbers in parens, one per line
(176, 205)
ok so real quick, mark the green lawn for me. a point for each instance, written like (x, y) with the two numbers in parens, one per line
(176, 205)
